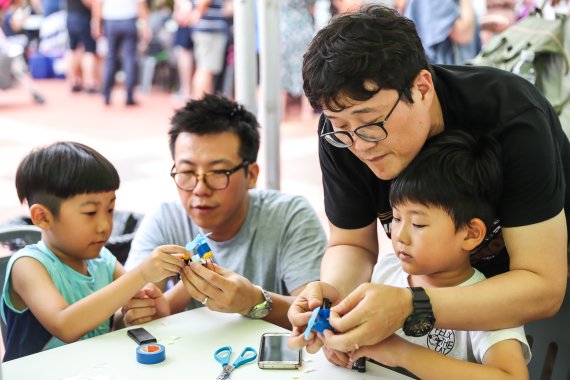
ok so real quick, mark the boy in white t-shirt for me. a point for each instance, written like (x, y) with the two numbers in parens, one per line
(443, 208)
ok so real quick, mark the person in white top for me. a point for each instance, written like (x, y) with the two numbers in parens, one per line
(444, 206)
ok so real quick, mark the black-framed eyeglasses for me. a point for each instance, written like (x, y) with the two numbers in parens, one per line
(371, 132)
(215, 179)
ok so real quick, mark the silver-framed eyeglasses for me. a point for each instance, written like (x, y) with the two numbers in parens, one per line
(371, 132)
(214, 179)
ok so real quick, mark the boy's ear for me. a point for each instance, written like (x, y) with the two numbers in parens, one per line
(476, 232)
(41, 216)
(252, 174)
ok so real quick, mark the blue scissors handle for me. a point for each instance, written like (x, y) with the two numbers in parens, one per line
(222, 355)
(247, 355)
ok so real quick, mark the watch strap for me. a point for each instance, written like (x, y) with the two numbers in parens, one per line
(261, 310)
(420, 300)
(421, 320)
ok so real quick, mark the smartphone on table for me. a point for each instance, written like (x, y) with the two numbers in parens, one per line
(275, 354)
(141, 336)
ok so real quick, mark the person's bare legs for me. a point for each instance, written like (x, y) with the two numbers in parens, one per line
(98, 70)
(185, 63)
(74, 73)
(88, 69)
(202, 83)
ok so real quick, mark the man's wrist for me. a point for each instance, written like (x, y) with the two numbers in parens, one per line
(421, 320)
(407, 299)
(255, 299)
(263, 307)
(258, 297)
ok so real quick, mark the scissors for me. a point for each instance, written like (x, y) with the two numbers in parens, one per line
(222, 356)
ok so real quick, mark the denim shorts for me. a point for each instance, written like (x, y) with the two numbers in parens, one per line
(183, 37)
(79, 30)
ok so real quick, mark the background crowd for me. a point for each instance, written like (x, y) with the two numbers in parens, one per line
(186, 46)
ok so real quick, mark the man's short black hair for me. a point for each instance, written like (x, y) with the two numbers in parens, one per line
(456, 173)
(51, 174)
(375, 44)
(215, 114)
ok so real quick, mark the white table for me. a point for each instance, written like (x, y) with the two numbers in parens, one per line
(190, 339)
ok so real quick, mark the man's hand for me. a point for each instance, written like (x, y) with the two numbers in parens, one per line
(183, 12)
(300, 312)
(148, 304)
(368, 315)
(227, 292)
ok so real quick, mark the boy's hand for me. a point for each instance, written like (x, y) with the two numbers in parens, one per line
(386, 352)
(300, 312)
(148, 304)
(227, 291)
(165, 261)
(339, 358)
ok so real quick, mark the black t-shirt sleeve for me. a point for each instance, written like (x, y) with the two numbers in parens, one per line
(534, 184)
(535, 150)
(353, 194)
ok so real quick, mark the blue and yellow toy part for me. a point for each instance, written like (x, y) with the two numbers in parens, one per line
(319, 320)
(198, 250)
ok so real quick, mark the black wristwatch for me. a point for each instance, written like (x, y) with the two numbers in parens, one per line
(422, 320)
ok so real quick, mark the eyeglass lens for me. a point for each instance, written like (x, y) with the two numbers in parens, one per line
(371, 132)
(214, 180)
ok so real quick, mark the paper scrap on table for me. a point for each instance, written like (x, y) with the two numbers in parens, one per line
(102, 371)
(169, 340)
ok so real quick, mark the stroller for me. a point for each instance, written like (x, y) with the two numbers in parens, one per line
(14, 69)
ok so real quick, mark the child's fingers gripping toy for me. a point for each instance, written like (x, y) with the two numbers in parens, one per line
(198, 250)
(319, 322)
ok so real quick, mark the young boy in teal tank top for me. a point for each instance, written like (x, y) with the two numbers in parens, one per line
(67, 286)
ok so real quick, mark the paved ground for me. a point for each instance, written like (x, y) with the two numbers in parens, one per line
(134, 139)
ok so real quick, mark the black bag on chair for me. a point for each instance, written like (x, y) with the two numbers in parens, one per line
(125, 223)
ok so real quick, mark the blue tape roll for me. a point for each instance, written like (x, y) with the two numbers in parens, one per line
(151, 353)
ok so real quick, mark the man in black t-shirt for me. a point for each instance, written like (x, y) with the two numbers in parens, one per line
(381, 101)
